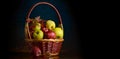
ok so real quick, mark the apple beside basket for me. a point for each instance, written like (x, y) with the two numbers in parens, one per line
(49, 47)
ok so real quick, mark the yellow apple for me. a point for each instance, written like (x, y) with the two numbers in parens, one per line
(37, 26)
(38, 34)
(59, 32)
(50, 24)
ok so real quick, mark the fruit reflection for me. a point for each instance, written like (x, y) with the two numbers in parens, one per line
(46, 57)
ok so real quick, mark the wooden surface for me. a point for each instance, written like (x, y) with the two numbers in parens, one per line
(23, 53)
(29, 56)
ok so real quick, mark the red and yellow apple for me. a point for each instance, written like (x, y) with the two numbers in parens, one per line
(37, 26)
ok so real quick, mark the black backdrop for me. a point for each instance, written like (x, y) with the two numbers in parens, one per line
(81, 41)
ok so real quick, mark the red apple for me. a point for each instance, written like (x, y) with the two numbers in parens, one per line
(42, 22)
(31, 27)
(50, 35)
(36, 51)
(44, 29)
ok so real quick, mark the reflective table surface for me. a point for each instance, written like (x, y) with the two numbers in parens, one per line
(23, 55)
(26, 56)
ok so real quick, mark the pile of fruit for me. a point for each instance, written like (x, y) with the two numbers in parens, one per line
(44, 29)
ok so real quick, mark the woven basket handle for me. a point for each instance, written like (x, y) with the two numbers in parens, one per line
(40, 3)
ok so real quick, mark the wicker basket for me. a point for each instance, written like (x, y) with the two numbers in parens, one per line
(49, 47)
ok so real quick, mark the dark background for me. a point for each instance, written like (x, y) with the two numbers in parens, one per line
(77, 17)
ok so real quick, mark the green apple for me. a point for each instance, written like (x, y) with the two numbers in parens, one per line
(50, 24)
(37, 26)
(38, 34)
(59, 32)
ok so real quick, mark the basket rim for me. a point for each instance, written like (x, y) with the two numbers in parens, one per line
(44, 40)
